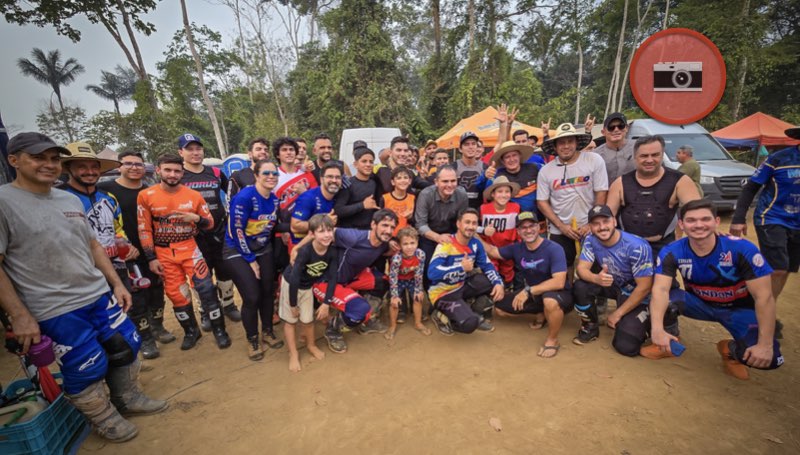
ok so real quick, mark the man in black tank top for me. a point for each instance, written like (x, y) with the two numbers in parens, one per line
(647, 199)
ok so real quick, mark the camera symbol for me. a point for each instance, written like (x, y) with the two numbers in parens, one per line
(678, 77)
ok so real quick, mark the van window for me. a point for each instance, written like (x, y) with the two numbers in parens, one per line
(705, 147)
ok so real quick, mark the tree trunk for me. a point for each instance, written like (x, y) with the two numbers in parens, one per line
(618, 60)
(636, 36)
(580, 82)
(64, 118)
(471, 21)
(741, 75)
(437, 28)
(116, 107)
(237, 13)
(206, 99)
(666, 16)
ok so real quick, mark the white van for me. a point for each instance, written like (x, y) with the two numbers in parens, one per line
(721, 176)
(377, 139)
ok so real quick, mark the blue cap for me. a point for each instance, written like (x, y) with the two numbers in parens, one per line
(185, 139)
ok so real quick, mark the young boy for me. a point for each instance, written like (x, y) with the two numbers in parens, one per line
(405, 280)
(498, 219)
(441, 157)
(399, 200)
(316, 262)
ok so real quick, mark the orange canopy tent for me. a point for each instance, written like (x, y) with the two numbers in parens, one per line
(757, 129)
(486, 126)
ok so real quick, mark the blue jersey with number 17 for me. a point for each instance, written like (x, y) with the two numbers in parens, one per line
(720, 277)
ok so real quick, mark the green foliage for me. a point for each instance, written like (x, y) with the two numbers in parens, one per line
(64, 125)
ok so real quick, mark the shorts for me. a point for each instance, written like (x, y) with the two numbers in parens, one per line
(535, 305)
(570, 250)
(305, 302)
(780, 246)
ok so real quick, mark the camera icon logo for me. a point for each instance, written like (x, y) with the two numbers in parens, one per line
(678, 77)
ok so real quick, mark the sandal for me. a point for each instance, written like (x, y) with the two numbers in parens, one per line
(423, 330)
(546, 348)
(538, 325)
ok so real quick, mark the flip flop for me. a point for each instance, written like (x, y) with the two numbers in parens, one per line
(424, 330)
(536, 325)
(546, 348)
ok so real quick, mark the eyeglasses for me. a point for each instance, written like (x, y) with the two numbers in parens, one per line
(616, 126)
(270, 173)
(136, 165)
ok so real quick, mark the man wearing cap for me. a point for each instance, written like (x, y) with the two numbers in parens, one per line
(625, 275)
(470, 169)
(104, 214)
(211, 183)
(777, 214)
(647, 199)
(546, 294)
(617, 152)
(427, 157)
(511, 161)
(568, 187)
(54, 281)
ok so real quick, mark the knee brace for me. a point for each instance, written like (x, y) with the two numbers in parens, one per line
(118, 351)
(225, 292)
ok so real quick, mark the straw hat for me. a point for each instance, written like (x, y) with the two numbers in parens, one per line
(83, 151)
(525, 152)
(566, 130)
(498, 182)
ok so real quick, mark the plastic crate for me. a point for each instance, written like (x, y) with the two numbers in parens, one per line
(52, 431)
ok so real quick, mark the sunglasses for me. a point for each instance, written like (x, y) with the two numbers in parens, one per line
(616, 127)
(270, 173)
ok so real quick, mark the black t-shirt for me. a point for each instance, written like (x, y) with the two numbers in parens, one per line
(209, 183)
(310, 268)
(127, 204)
(349, 206)
(239, 180)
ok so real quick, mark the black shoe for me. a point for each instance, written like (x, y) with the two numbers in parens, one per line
(269, 338)
(149, 349)
(223, 340)
(161, 334)
(587, 334)
(190, 338)
(486, 326)
(232, 313)
(442, 323)
(205, 322)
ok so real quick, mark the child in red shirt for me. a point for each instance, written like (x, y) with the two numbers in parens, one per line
(405, 280)
(498, 221)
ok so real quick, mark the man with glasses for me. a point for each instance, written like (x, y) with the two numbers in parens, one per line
(617, 152)
(315, 201)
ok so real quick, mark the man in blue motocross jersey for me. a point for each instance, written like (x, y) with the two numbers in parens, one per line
(727, 280)
(315, 201)
(626, 275)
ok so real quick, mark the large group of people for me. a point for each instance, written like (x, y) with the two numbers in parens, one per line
(520, 231)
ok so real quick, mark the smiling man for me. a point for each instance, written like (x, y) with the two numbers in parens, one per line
(617, 152)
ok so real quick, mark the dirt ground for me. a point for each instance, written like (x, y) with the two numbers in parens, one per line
(432, 394)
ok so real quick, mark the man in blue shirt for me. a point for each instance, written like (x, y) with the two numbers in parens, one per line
(318, 200)
(626, 275)
(727, 280)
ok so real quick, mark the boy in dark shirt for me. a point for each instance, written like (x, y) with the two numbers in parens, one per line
(316, 262)
(355, 205)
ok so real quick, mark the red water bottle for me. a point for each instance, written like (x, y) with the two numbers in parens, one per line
(123, 247)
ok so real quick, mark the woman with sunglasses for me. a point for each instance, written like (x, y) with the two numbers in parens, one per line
(248, 255)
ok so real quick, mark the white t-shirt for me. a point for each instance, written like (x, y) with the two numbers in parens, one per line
(570, 188)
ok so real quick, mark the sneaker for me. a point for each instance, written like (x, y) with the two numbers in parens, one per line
(223, 340)
(269, 338)
(486, 326)
(587, 334)
(653, 352)
(336, 342)
(442, 323)
(372, 326)
(254, 351)
(232, 313)
(205, 322)
(190, 338)
(732, 366)
(149, 349)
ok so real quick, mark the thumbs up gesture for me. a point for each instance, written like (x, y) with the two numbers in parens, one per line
(467, 264)
(604, 278)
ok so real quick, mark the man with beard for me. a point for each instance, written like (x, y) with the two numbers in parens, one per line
(210, 182)
(647, 199)
(617, 151)
(568, 187)
(469, 169)
(454, 280)
(315, 201)
(170, 214)
(727, 280)
(323, 150)
(355, 205)
(257, 150)
(399, 155)
(126, 190)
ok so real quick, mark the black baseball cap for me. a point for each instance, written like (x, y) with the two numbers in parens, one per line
(615, 116)
(526, 216)
(33, 144)
(600, 210)
(468, 135)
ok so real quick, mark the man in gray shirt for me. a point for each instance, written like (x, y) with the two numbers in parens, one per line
(437, 211)
(617, 152)
(54, 281)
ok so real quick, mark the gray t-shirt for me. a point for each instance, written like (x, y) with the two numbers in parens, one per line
(45, 241)
(570, 189)
(618, 162)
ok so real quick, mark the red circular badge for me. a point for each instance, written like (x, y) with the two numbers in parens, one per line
(677, 76)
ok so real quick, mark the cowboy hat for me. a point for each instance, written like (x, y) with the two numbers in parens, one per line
(793, 133)
(83, 151)
(566, 130)
(498, 182)
(525, 152)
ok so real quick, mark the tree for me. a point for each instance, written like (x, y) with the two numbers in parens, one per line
(115, 87)
(62, 126)
(49, 69)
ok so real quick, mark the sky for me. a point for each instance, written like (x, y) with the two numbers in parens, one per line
(21, 97)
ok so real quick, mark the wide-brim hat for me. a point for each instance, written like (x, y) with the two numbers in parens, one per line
(83, 151)
(525, 152)
(793, 133)
(498, 182)
(566, 130)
